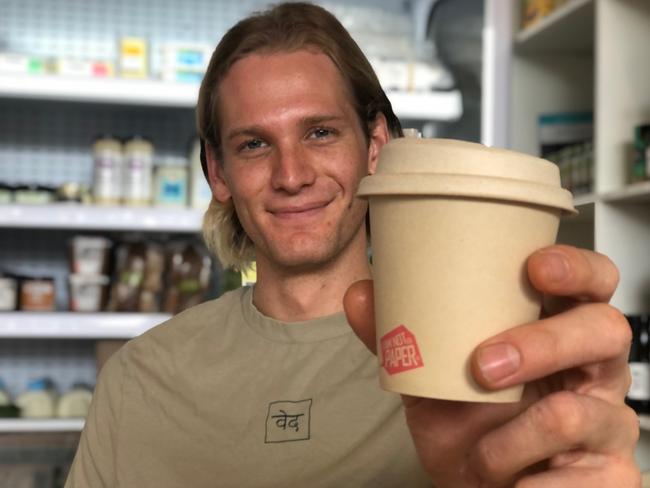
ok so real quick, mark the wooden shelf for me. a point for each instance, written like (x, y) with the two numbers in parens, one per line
(569, 29)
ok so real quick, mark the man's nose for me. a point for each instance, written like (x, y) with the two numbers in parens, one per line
(292, 168)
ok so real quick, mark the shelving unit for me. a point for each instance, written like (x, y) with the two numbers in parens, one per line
(72, 216)
(586, 56)
(40, 425)
(442, 105)
(76, 325)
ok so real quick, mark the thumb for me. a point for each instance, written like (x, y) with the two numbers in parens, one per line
(359, 306)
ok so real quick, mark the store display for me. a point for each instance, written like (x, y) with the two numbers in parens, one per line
(641, 163)
(76, 402)
(638, 396)
(133, 58)
(38, 400)
(139, 278)
(108, 170)
(8, 293)
(171, 183)
(7, 408)
(88, 293)
(19, 64)
(138, 171)
(6, 194)
(188, 277)
(90, 255)
(37, 294)
(34, 195)
(200, 192)
(185, 62)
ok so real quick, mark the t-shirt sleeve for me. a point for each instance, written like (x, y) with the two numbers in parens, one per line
(94, 461)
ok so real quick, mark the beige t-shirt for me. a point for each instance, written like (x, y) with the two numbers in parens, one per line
(222, 396)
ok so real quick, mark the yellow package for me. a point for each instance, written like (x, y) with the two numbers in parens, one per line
(133, 58)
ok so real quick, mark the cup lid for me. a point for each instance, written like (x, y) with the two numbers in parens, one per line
(412, 166)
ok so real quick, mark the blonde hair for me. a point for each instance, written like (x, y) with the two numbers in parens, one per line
(283, 28)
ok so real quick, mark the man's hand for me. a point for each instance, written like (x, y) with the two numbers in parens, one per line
(572, 428)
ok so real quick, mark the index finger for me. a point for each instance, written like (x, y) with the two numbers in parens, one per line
(359, 306)
(567, 271)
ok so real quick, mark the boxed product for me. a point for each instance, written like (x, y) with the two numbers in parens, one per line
(641, 163)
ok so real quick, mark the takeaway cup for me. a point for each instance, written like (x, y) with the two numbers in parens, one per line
(452, 225)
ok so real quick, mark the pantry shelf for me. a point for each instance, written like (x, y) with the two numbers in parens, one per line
(104, 218)
(570, 28)
(41, 425)
(443, 106)
(75, 325)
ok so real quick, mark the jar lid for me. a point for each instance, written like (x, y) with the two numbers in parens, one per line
(446, 167)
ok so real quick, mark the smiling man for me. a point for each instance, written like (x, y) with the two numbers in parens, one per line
(270, 386)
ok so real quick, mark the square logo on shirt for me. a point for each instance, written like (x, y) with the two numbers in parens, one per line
(288, 421)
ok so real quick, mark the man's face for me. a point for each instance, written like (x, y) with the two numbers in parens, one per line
(293, 155)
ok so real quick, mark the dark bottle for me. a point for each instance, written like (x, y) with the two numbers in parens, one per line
(638, 397)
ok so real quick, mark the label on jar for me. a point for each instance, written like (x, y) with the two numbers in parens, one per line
(137, 178)
(640, 387)
(107, 184)
(7, 294)
(37, 295)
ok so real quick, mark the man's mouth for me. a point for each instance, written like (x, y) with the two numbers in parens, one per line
(300, 211)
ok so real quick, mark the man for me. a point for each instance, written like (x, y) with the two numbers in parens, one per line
(268, 387)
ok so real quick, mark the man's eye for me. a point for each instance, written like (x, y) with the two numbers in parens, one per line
(252, 144)
(321, 133)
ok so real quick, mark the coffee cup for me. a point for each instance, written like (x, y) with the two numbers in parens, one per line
(452, 226)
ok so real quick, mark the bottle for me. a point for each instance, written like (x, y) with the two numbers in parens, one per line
(137, 171)
(638, 397)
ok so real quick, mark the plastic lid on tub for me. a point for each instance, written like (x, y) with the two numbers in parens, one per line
(446, 167)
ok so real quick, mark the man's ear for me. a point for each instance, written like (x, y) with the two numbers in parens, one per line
(218, 185)
(378, 137)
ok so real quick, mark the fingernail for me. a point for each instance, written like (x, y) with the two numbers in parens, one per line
(498, 361)
(556, 266)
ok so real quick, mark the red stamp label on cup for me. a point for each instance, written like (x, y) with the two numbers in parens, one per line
(399, 351)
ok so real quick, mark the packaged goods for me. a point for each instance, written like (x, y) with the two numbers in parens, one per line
(88, 292)
(535, 10)
(133, 58)
(638, 395)
(641, 163)
(185, 62)
(75, 403)
(18, 64)
(90, 255)
(8, 293)
(33, 195)
(108, 169)
(37, 294)
(6, 194)
(7, 408)
(73, 192)
(138, 171)
(171, 183)
(189, 270)
(138, 278)
(39, 400)
(200, 192)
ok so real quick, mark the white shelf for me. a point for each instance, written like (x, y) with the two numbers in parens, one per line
(636, 192)
(440, 106)
(570, 28)
(443, 106)
(644, 422)
(99, 90)
(76, 325)
(87, 217)
(41, 425)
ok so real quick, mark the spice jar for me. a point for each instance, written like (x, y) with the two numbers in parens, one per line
(108, 168)
(138, 171)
